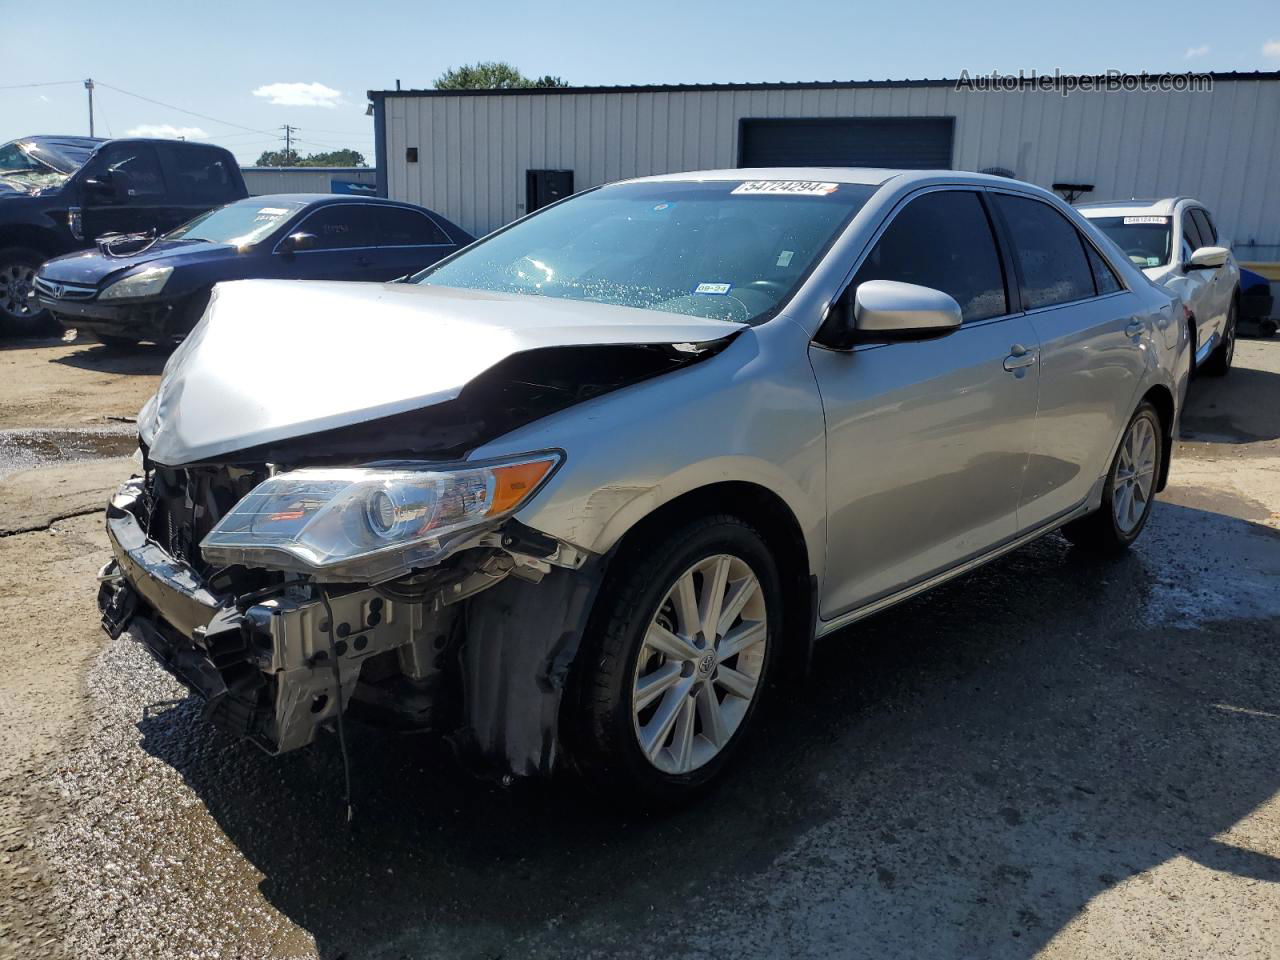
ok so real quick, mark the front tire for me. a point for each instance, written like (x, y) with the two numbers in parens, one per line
(680, 649)
(19, 314)
(1130, 488)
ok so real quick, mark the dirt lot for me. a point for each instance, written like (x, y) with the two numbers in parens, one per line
(1050, 757)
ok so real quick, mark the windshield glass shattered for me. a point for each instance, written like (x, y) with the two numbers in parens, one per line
(43, 163)
(729, 250)
(240, 223)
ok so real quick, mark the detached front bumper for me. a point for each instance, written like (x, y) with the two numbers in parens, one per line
(264, 670)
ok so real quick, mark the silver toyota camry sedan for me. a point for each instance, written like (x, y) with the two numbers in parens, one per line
(575, 496)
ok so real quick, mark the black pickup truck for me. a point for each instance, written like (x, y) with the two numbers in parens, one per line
(58, 194)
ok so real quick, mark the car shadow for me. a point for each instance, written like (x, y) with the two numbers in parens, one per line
(959, 776)
(143, 359)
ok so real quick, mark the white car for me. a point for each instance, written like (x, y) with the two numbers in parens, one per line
(1175, 243)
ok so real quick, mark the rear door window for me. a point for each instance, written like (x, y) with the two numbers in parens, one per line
(202, 176)
(943, 240)
(342, 226)
(1049, 251)
(402, 227)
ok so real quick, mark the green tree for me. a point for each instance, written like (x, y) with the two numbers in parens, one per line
(334, 158)
(492, 75)
(278, 158)
(330, 158)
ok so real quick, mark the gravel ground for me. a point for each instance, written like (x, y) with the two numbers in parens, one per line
(1050, 757)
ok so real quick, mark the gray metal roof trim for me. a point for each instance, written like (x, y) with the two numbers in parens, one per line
(1227, 76)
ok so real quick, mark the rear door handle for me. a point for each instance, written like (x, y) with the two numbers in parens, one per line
(1134, 328)
(362, 261)
(1019, 357)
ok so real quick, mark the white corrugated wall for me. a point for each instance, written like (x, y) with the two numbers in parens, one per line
(1219, 146)
(263, 180)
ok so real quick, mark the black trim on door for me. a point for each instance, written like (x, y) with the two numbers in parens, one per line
(1001, 234)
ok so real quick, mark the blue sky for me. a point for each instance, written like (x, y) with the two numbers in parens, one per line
(310, 63)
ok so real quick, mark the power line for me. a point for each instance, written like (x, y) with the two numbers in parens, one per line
(170, 106)
(51, 83)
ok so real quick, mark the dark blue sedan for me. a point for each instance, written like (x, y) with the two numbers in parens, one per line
(134, 288)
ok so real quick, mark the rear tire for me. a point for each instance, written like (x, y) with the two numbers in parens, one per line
(1219, 362)
(19, 316)
(663, 706)
(1130, 488)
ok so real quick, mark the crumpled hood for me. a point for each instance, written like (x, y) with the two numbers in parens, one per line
(277, 359)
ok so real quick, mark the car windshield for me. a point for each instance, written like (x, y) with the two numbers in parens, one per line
(43, 163)
(241, 223)
(730, 250)
(1145, 240)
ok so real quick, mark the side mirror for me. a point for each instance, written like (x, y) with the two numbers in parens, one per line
(1208, 258)
(296, 242)
(889, 310)
(101, 186)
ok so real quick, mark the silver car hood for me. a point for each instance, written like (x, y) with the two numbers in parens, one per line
(277, 359)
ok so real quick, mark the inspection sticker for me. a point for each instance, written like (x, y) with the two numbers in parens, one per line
(715, 289)
(1160, 220)
(810, 188)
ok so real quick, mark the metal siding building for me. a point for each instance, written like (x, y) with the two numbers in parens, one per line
(264, 180)
(475, 147)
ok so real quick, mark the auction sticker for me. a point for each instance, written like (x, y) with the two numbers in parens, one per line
(1160, 220)
(803, 188)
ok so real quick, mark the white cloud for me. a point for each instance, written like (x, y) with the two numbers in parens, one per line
(167, 131)
(1193, 52)
(300, 94)
(1271, 48)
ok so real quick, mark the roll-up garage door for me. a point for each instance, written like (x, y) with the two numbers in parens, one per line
(915, 143)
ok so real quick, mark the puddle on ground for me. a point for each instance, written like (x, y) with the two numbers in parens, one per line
(25, 449)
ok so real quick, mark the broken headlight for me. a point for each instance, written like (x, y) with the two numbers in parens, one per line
(370, 523)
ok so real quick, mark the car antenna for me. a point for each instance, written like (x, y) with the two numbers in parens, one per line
(337, 683)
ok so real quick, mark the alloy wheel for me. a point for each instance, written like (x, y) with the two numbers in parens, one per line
(700, 664)
(1134, 481)
(17, 280)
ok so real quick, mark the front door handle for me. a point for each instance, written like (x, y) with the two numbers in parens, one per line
(1134, 328)
(1019, 357)
(362, 261)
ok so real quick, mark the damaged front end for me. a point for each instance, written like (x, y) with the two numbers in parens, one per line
(290, 560)
(259, 646)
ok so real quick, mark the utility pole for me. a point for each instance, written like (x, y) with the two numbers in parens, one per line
(88, 85)
(289, 131)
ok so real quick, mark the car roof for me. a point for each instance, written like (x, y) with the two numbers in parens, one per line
(317, 198)
(870, 176)
(1133, 208)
